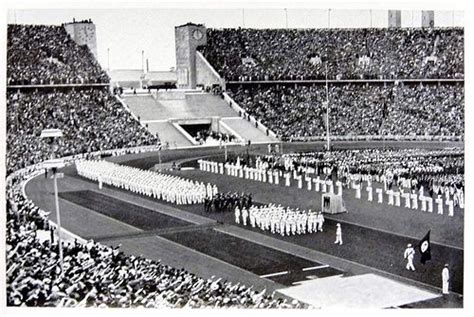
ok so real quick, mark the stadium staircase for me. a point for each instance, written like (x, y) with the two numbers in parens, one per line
(160, 112)
(168, 134)
(247, 130)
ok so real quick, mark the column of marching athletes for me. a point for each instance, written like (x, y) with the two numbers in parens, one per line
(169, 188)
(280, 220)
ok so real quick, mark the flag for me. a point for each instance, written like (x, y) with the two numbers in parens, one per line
(425, 248)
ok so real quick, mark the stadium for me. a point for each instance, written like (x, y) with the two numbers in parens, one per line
(271, 168)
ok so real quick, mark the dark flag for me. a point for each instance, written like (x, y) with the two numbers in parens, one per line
(425, 248)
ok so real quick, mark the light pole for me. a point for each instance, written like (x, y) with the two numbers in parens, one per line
(54, 164)
(327, 109)
(286, 17)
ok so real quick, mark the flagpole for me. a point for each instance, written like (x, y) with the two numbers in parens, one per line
(327, 108)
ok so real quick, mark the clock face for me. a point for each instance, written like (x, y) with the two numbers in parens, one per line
(197, 34)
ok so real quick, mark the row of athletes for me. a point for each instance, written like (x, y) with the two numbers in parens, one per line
(411, 199)
(172, 189)
(272, 176)
(227, 202)
(280, 220)
(454, 193)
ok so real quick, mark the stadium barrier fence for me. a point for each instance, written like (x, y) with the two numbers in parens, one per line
(379, 138)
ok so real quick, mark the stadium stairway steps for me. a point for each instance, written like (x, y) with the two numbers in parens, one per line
(204, 104)
(157, 111)
(166, 105)
(141, 105)
(168, 134)
(247, 130)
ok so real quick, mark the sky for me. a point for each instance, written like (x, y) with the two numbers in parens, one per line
(122, 34)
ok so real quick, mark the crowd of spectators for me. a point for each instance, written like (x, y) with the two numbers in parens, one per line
(294, 54)
(96, 275)
(46, 54)
(298, 112)
(91, 120)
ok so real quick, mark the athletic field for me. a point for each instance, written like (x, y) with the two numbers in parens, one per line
(211, 244)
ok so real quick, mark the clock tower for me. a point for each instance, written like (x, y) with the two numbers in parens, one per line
(187, 38)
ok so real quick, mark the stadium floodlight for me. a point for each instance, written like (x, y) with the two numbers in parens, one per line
(54, 165)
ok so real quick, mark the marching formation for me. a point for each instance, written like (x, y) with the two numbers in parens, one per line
(227, 202)
(280, 220)
(172, 189)
(262, 173)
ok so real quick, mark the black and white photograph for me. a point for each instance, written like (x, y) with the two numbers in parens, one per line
(209, 156)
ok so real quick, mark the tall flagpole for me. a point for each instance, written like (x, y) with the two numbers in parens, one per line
(327, 108)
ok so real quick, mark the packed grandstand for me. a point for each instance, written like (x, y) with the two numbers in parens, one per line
(94, 121)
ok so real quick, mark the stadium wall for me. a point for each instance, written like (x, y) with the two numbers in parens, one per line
(83, 33)
(206, 75)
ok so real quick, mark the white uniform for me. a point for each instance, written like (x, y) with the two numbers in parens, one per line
(320, 220)
(287, 179)
(407, 199)
(358, 189)
(369, 193)
(317, 184)
(429, 201)
(390, 197)
(450, 204)
(244, 216)
(379, 192)
(423, 202)
(409, 255)
(414, 200)
(338, 235)
(276, 177)
(339, 188)
(397, 198)
(439, 201)
(299, 178)
(445, 276)
(237, 215)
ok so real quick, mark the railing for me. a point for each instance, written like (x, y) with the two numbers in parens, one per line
(57, 86)
(244, 114)
(379, 138)
(343, 81)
